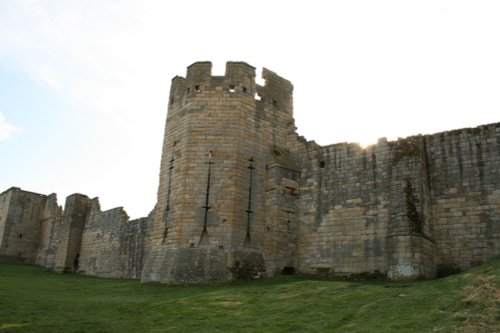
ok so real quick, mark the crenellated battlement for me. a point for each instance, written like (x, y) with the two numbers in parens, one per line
(238, 80)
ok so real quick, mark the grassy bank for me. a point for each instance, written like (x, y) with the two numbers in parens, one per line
(33, 299)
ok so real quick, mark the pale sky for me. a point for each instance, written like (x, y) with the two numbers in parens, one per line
(84, 84)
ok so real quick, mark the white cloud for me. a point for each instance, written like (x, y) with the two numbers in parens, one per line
(6, 128)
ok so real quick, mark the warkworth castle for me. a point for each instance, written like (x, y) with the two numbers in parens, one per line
(241, 195)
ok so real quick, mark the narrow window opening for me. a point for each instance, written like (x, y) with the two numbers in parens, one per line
(197, 88)
(275, 103)
(20, 236)
(232, 88)
(288, 225)
(268, 229)
(204, 234)
(76, 263)
(171, 100)
(244, 89)
(322, 164)
(188, 90)
(165, 235)
(249, 210)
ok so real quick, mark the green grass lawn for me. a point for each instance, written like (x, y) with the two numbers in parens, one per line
(33, 299)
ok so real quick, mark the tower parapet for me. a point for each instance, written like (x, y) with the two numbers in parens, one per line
(239, 80)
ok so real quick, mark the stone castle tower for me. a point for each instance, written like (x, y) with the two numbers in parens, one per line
(227, 140)
(242, 195)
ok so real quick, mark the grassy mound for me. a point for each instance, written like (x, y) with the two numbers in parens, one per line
(33, 299)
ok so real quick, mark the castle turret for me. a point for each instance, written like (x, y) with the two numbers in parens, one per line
(221, 138)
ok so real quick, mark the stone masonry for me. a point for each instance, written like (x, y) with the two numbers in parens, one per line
(242, 196)
(80, 238)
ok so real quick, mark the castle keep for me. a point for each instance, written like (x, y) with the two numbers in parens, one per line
(242, 195)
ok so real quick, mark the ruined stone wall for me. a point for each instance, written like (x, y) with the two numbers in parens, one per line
(401, 208)
(80, 238)
(76, 211)
(19, 224)
(346, 208)
(464, 169)
(111, 245)
(51, 226)
(61, 232)
(337, 235)
(100, 247)
(134, 246)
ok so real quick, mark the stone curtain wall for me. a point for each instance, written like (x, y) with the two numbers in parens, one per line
(61, 232)
(112, 246)
(464, 170)
(403, 209)
(76, 211)
(80, 238)
(133, 246)
(345, 209)
(100, 249)
(52, 233)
